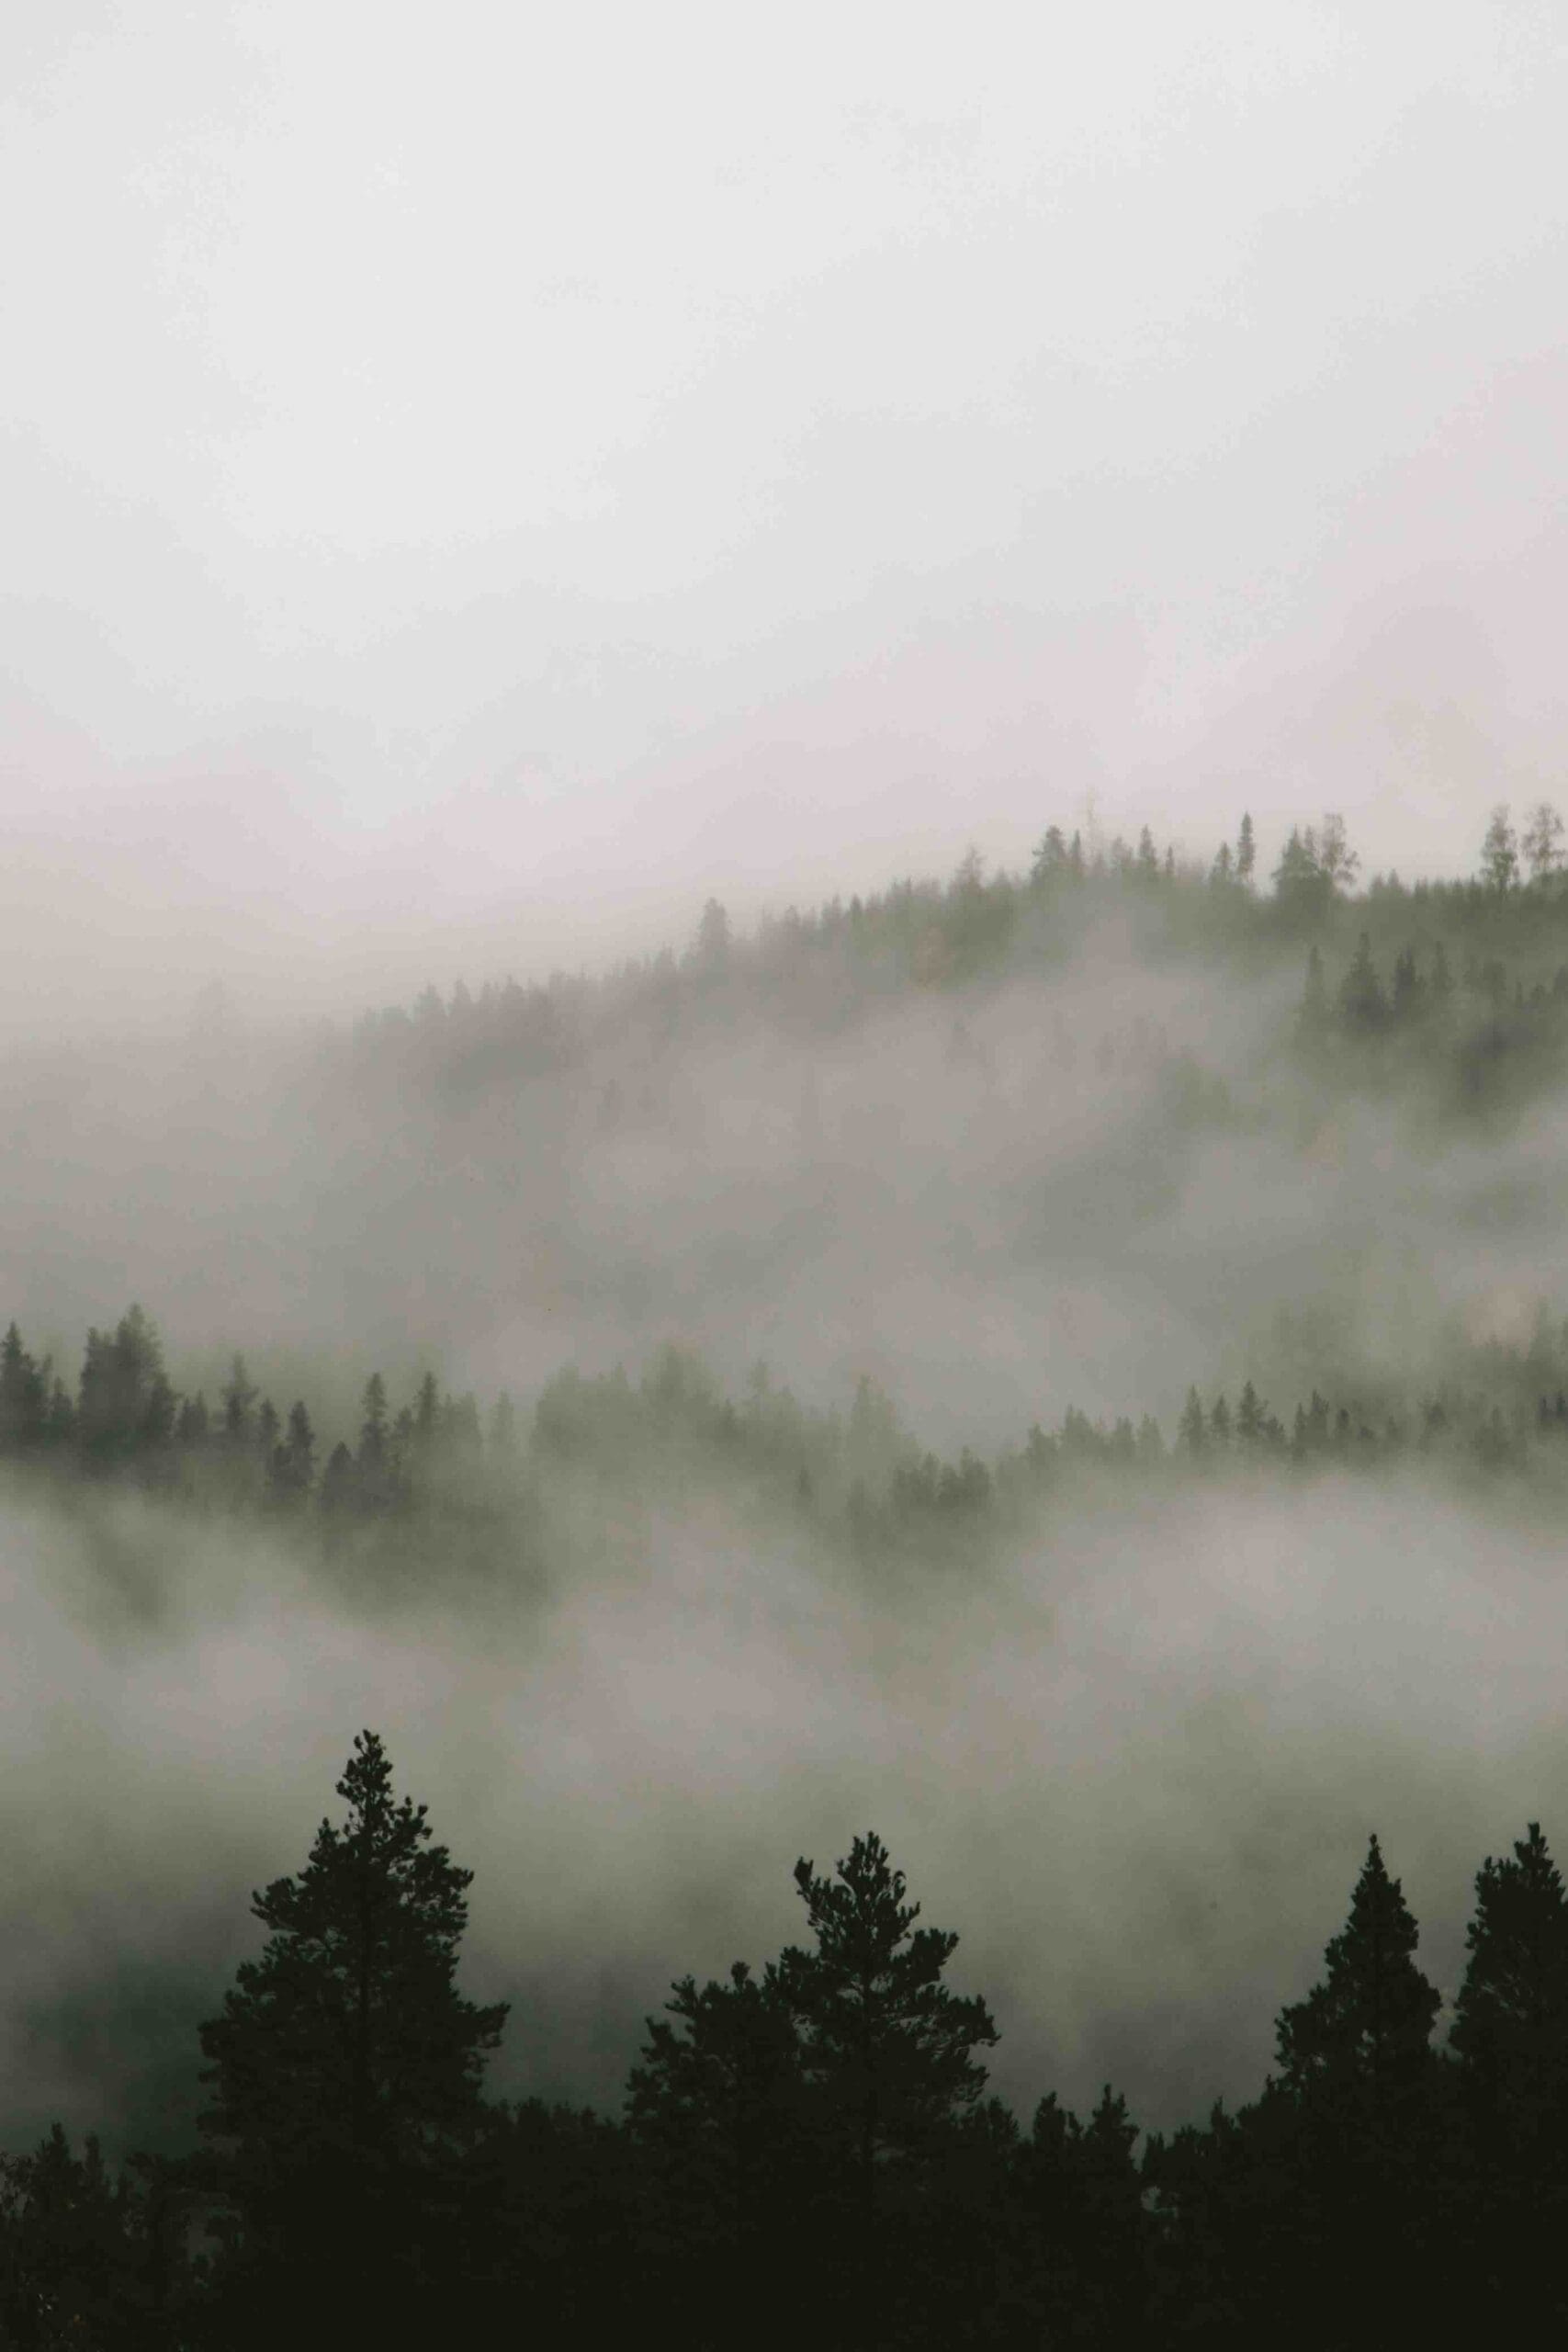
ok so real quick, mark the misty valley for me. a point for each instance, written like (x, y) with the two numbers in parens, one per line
(1044, 1391)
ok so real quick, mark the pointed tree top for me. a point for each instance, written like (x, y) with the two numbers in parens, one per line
(1373, 2007)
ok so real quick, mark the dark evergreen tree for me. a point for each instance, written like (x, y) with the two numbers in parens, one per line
(554, 2216)
(1511, 2017)
(192, 1427)
(339, 1483)
(401, 1457)
(1191, 1431)
(1363, 1007)
(715, 2113)
(295, 1463)
(15, 1365)
(375, 1470)
(462, 1434)
(1246, 852)
(372, 1453)
(125, 1409)
(887, 2056)
(1409, 997)
(1366, 2029)
(426, 1418)
(24, 1397)
(345, 2072)
(1301, 889)
(86, 2259)
(712, 949)
(1050, 857)
(501, 1442)
(1510, 2032)
(1112, 2232)
(1365, 2095)
(267, 1427)
(1088, 2260)
(60, 1428)
(237, 1397)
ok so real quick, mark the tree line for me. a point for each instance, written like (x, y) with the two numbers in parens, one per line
(1483, 1033)
(440, 1474)
(818, 964)
(810, 2151)
(126, 1415)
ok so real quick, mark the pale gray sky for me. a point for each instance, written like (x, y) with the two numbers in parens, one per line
(476, 480)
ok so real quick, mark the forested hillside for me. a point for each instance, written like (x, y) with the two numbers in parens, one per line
(1071, 1367)
(809, 2148)
(784, 1155)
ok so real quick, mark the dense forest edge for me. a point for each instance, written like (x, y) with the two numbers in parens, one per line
(808, 2147)
(443, 1477)
(1456, 988)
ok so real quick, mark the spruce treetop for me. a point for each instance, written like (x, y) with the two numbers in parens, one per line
(348, 2031)
(1371, 2018)
(878, 2019)
(1513, 2006)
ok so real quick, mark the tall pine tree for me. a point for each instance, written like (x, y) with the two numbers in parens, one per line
(715, 2112)
(1359, 2097)
(887, 2055)
(1510, 2032)
(345, 2067)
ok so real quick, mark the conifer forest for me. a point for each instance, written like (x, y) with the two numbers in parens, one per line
(1048, 1643)
(783, 1176)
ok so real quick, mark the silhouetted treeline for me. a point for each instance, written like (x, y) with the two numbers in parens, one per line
(439, 1479)
(1429, 951)
(808, 2152)
(124, 1414)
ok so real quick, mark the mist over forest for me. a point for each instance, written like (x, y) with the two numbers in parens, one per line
(1061, 1366)
(784, 1133)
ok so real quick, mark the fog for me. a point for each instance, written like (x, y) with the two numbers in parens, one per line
(1132, 1757)
(997, 1202)
(470, 503)
(463, 505)
(1136, 1772)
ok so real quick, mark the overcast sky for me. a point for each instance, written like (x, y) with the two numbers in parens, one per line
(475, 481)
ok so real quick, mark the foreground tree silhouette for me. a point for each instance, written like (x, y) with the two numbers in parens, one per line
(1084, 2197)
(886, 2052)
(1511, 2035)
(1362, 2034)
(1511, 2017)
(1355, 2125)
(66, 2269)
(346, 2068)
(714, 2113)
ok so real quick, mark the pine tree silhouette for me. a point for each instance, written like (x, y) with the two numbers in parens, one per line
(887, 2060)
(716, 2116)
(1362, 2094)
(345, 2067)
(1366, 2027)
(1510, 2032)
(1511, 2017)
